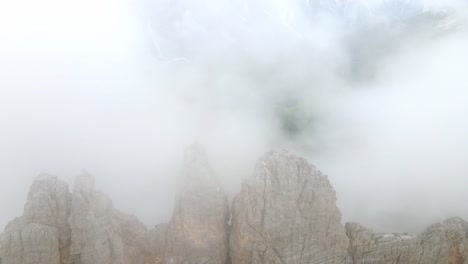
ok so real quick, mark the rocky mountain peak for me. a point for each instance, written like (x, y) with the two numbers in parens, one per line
(286, 213)
(47, 190)
(198, 231)
(84, 183)
(196, 171)
(42, 234)
(101, 233)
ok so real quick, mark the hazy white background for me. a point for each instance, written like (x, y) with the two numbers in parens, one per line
(94, 85)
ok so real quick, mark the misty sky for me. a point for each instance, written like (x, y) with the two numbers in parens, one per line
(373, 93)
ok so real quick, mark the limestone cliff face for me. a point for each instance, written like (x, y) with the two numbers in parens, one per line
(198, 230)
(286, 213)
(42, 234)
(100, 234)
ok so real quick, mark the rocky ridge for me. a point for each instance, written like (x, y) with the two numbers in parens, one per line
(285, 213)
(444, 242)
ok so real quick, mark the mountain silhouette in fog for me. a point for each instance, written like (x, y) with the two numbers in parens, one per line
(285, 213)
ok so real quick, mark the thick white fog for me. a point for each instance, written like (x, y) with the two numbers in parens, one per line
(374, 93)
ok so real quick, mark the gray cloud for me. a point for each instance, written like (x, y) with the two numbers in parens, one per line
(372, 93)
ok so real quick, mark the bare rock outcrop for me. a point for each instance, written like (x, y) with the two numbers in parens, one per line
(42, 234)
(100, 233)
(198, 230)
(442, 243)
(286, 213)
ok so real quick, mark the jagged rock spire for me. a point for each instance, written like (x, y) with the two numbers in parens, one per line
(198, 231)
(286, 213)
(42, 234)
(100, 233)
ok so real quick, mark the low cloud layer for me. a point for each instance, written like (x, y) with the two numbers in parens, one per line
(373, 93)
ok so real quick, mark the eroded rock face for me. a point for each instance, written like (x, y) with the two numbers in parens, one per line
(286, 213)
(42, 234)
(198, 231)
(100, 233)
(442, 243)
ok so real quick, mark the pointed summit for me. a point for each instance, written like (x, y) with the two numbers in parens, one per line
(100, 233)
(198, 231)
(84, 183)
(196, 174)
(195, 152)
